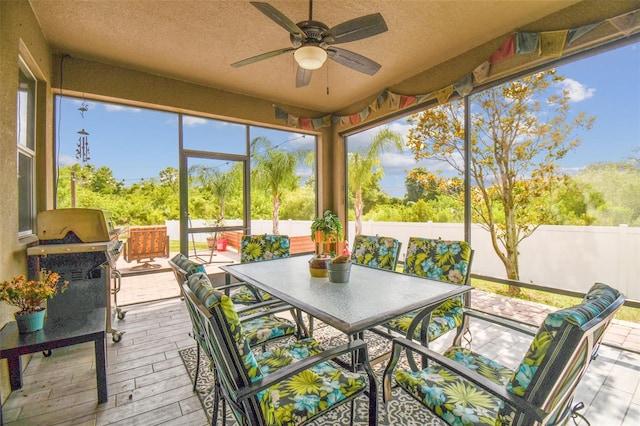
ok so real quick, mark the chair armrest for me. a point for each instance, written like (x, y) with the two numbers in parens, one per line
(459, 369)
(267, 308)
(522, 327)
(304, 364)
(251, 288)
(230, 286)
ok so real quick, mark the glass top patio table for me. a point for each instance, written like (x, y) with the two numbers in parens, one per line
(371, 297)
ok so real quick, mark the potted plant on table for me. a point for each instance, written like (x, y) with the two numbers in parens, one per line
(326, 232)
(28, 296)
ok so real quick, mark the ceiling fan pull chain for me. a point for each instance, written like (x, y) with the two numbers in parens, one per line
(327, 79)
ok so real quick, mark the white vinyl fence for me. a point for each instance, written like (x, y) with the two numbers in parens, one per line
(563, 257)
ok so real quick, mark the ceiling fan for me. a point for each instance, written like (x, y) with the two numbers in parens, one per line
(313, 42)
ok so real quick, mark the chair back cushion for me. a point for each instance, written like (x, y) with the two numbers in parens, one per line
(256, 248)
(377, 252)
(438, 259)
(562, 349)
(189, 266)
(182, 268)
(229, 343)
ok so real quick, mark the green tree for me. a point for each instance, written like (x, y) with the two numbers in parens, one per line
(170, 177)
(144, 203)
(218, 184)
(421, 185)
(615, 195)
(102, 180)
(520, 130)
(273, 170)
(365, 169)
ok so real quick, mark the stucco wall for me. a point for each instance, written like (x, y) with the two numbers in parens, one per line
(19, 34)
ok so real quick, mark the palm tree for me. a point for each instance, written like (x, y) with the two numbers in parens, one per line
(365, 168)
(272, 170)
(221, 185)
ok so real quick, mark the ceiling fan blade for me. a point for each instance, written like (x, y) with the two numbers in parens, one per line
(358, 28)
(353, 60)
(279, 18)
(261, 57)
(303, 77)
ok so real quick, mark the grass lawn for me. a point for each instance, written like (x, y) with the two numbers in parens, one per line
(174, 246)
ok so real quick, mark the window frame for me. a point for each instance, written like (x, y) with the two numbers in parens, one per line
(26, 150)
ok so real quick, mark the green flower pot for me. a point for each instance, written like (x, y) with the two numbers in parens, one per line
(30, 322)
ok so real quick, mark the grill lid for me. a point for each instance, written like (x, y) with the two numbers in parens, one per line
(89, 225)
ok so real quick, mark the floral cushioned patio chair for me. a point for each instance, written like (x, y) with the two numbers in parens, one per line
(464, 387)
(258, 248)
(377, 252)
(260, 324)
(448, 261)
(288, 385)
(182, 268)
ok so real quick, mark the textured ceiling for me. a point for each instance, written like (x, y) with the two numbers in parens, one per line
(196, 41)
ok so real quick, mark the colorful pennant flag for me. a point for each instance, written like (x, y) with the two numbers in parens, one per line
(405, 101)
(422, 98)
(552, 43)
(281, 114)
(292, 121)
(443, 95)
(548, 44)
(394, 100)
(481, 73)
(527, 43)
(576, 33)
(305, 123)
(464, 86)
(505, 51)
(627, 22)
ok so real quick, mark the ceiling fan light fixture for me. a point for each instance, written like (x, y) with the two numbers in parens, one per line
(310, 57)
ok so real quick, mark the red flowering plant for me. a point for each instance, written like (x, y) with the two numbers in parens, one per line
(28, 295)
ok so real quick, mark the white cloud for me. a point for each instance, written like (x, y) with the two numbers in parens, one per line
(188, 120)
(395, 160)
(299, 141)
(66, 160)
(577, 91)
(401, 127)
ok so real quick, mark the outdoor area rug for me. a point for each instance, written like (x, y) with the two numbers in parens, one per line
(401, 410)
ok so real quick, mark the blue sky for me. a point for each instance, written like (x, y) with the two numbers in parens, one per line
(138, 143)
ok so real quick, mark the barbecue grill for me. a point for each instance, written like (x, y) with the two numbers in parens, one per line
(82, 246)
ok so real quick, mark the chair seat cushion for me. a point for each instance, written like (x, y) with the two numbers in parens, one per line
(245, 296)
(308, 393)
(263, 329)
(444, 318)
(454, 399)
(283, 355)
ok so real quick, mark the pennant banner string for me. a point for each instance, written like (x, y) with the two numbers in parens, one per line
(545, 43)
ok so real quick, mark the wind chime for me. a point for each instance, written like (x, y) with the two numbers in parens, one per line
(82, 149)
